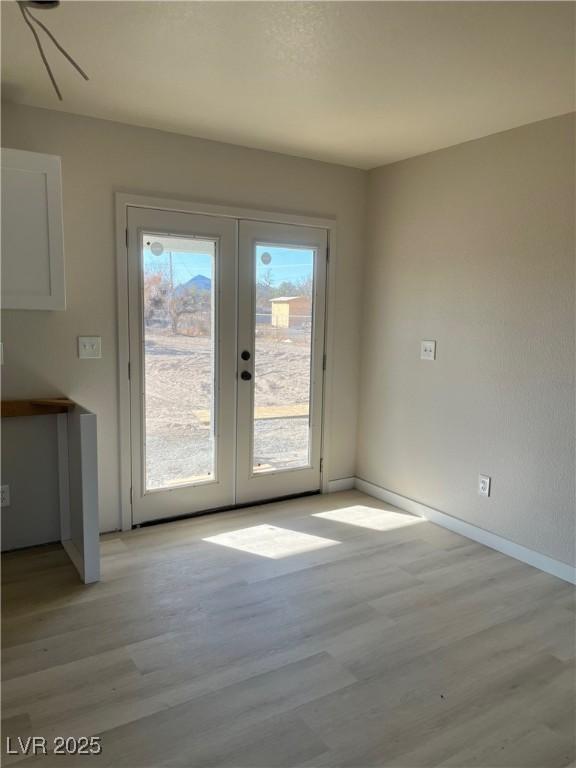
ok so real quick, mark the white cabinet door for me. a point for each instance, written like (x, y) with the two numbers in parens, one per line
(32, 233)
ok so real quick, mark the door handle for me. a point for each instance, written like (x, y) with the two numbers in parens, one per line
(246, 375)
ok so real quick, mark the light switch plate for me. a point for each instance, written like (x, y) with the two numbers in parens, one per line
(89, 347)
(427, 350)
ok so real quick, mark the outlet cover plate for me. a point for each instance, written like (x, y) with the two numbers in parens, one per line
(89, 347)
(484, 485)
(5, 495)
(427, 350)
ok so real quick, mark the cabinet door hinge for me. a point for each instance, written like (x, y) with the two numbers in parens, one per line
(327, 253)
(126, 237)
(129, 372)
(324, 363)
(321, 465)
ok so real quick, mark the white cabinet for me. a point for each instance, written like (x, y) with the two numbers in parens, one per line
(32, 233)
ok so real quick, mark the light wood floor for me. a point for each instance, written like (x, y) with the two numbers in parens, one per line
(373, 640)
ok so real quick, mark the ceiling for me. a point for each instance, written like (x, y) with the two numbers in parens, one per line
(358, 83)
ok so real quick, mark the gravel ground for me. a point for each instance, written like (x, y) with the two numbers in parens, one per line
(179, 394)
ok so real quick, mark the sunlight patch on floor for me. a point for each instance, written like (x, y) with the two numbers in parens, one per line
(270, 541)
(368, 517)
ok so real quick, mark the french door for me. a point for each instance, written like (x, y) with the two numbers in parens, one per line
(226, 360)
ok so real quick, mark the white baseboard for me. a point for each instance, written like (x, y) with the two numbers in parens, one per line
(343, 484)
(542, 562)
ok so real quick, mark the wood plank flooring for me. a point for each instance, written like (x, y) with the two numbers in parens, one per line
(355, 636)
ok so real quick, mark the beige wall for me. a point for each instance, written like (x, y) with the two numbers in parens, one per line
(100, 158)
(474, 246)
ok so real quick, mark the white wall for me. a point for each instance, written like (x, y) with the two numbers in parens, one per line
(100, 158)
(474, 246)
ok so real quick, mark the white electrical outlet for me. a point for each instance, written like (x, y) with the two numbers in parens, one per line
(89, 347)
(483, 485)
(5, 495)
(427, 350)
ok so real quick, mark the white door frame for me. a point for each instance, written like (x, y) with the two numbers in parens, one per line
(127, 199)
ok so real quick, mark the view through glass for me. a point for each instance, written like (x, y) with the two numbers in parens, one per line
(179, 354)
(282, 357)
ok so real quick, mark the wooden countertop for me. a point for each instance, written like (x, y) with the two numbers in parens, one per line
(40, 406)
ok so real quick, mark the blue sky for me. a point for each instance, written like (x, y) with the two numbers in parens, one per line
(184, 265)
(287, 264)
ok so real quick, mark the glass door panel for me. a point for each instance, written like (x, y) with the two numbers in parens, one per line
(179, 360)
(284, 296)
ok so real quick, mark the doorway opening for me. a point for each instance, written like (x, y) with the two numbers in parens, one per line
(226, 340)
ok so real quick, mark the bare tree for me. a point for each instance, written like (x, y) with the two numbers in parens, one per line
(156, 290)
(189, 301)
(305, 286)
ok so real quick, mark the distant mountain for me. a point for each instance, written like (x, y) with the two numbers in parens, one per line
(200, 282)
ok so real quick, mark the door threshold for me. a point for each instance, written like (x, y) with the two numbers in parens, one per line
(228, 508)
